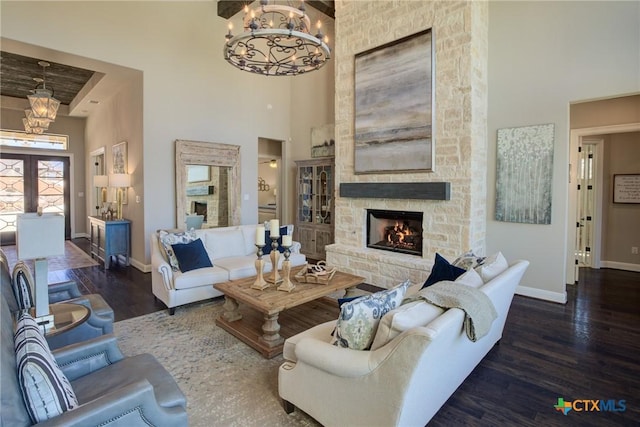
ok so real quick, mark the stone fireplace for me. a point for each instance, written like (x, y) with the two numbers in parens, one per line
(449, 227)
(395, 231)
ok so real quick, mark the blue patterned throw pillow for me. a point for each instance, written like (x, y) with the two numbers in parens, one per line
(46, 390)
(167, 239)
(21, 283)
(358, 320)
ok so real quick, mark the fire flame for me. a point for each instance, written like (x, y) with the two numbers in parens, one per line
(401, 231)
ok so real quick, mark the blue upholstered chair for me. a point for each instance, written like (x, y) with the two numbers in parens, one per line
(16, 290)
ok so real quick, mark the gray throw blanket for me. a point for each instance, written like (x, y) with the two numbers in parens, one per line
(478, 308)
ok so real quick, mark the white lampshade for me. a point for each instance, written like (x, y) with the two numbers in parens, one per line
(40, 236)
(120, 180)
(100, 181)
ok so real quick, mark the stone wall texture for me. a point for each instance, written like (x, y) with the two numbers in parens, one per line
(460, 34)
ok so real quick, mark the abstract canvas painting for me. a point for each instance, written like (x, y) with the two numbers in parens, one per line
(524, 174)
(394, 106)
(323, 142)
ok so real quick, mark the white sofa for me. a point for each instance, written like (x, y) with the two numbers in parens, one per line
(232, 252)
(402, 383)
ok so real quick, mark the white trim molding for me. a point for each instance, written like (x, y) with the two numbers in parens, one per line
(620, 265)
(526, 291)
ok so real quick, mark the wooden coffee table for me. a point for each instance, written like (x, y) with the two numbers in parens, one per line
(264, 334)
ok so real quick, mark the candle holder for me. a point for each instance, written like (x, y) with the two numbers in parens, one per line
(260, 283)
(287, 285)
(274, 277)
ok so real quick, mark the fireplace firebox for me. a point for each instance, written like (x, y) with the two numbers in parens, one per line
(396, 231)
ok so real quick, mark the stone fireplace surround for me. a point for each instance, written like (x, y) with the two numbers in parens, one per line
(450, 227)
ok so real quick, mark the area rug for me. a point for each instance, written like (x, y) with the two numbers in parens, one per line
(73, 257)
(226, 382)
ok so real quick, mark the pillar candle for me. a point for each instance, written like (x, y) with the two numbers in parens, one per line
(286, 240)
(260, 235)
(275, 228)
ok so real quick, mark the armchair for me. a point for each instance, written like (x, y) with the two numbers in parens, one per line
(109, 388)
(100, 321)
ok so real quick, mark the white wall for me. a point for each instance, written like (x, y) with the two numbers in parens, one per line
(189, 91)
(542, 56)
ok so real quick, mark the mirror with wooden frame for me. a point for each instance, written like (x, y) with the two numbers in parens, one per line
(207, 183)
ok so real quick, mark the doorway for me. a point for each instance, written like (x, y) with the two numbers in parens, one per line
(271, 181)
(578, 138)
(589, 196)
(28, 181)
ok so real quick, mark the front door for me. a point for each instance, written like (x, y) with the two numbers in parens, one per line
(28, 181)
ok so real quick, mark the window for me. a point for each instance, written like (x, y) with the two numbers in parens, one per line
(14, 138)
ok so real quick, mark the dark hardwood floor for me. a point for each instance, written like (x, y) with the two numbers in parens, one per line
(586, 349)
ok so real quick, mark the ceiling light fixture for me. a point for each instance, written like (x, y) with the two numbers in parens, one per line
(44, 107)
(277, 41)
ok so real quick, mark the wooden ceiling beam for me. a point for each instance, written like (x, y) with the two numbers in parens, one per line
(228, 8)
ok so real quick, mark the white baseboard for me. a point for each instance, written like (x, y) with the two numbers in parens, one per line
(620, 265)
(145, 268)
(560, 297)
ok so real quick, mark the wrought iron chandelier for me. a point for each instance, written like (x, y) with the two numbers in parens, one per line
(277, 41)
(44, 107)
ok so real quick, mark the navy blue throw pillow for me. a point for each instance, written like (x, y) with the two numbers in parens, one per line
(267, 239)
(191, 255)
(346, 299)
(442, 270)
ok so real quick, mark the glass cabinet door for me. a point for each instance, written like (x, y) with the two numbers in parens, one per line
(324, 187)
(306, 210)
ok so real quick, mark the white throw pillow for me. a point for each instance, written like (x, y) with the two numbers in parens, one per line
(223, 244)
(470, 278)
(403, 318)
(249, 235)
(358, 320)
(492, 266)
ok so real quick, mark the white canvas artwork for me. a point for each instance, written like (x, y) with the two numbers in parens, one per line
(524, 174)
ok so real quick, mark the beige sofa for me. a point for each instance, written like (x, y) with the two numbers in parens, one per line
(232, 252)
(402, 383)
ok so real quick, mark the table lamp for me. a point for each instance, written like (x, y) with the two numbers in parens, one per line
(120, 181)
(39, 236)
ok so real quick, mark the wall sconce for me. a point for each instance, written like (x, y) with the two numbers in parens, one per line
(39, 236)
(273, 163)
(120, 181)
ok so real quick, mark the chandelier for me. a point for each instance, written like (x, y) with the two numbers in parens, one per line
(44, 107)
(277, 41)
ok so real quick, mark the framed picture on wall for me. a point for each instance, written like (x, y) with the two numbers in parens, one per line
(626, 188)
(394, 99)
(119, 158)
(119, 152)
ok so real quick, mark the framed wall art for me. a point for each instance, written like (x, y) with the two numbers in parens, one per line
(394, 100)
(323, 143)
(119, 158)
(626, 188)
(119, 152)
(524, 174)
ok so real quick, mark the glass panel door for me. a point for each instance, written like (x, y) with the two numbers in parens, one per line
(29, 181)
(11, 193)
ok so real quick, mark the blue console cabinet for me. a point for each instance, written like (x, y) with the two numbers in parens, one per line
(110, 238)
